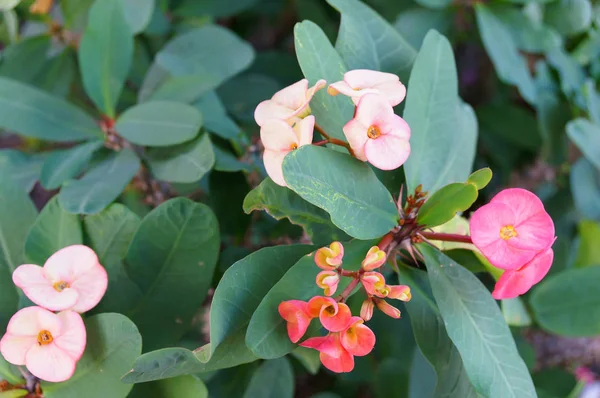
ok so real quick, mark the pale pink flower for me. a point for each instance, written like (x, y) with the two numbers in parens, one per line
(512, 229)
(72, 278)
(359, 82)
(48, 344)
(279, 139)
(377, 134)
(514, 283)
(329, 281)
(288, 104)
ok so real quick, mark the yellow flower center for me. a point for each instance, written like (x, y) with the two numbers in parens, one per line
(330, 310)
(60, 286)
(45, 337)
(373, 132)
(507, 232)
(293, 146)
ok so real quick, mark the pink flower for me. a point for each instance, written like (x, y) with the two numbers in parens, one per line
(332, 354)
(374, 259)
(48, 344)
(295, 312)
(330, 258)
(366, 309)
(357, 338)
(329, 281)
(374, 284)
(387, 309)
(512, 229)
(514, 283)
(399, 292)
(378, 135)
(334, 316)
(72, 278)
(279, 139)
(288, 104)
(359, 82)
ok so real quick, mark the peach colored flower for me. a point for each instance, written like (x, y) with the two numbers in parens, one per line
(48, 344)
(366, 309)
(332, 354)
(334, 316)
(512, 229)
(279, 139)
(374, 284)
(357, 338)
(376, 134)
(399, 292)
(329, 281)
(387, 309)
(288, 104)
(359, 82)
(295, 312)
(330, 258)
(374, 259)
(72, 278)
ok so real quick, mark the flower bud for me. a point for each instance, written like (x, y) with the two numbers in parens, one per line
(329, 281)
(366, 310)
(387, 309)
(330, 258)
(399, 292)
(374, 284)
(374, 259)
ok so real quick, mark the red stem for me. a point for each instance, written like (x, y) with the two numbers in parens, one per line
(385, 241)
(334, 141)
(321, 131)
(322, 142)
(446, 237)
(344, 295)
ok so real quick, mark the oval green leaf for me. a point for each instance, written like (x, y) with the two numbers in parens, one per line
(273, 379)
(480, 178)
(443, 205)
(587, 138)
(61, 166)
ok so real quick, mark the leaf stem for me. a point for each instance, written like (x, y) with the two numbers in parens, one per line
(348, 290)
(322, 142)
(447, 237)
(334, 141)
(322, 132)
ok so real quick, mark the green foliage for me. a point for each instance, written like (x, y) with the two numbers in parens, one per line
(443, 205)
(274, 379)
(63, 165)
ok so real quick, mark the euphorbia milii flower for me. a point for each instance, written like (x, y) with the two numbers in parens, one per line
(359, 82)
(334, 316)
(377, 134)
(374, 259)
(329, 281)
(332, 354)
(399, 292)
(366, 309)
(386, 308)
(279, 139)
(288, 104)
(295, 312)
(512, 229)
(374, 284)
(48, 344)
(330, 258)
(514, 283)
(357, 338)
(72, 278)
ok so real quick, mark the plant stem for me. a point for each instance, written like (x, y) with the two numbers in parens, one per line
(322, 142)
(344, 295)
(322, 132)
(385, 241)
(447, 237)
(334, 141)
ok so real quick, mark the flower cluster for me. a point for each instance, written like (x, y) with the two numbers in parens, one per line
(347, 336)
(71, 281)
(515, 233)
(375, 133)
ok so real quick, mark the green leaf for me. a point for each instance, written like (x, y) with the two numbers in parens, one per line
(481, 178)
(172, 259)
(319, 60)
(477, 328)
(502, 49)
(592, 97)
(138, 14)
(105, 54)
(101, 185)
(233, 304)
(24, 169)
(516, 125)
(32, 51)
(214, 8)
(242, 94)
(180, 387)
(391, 369)
(358, 203)
(588, 252)
(113, 343)
(267, 334)
(215, 116)
(309, 358)
(572, 75)
(568, 303)
(443, 205)
(14, 394)
(34, 113)
(585, 187)
(367, 41)
(159, 123)
(63, 165)
(280, 202)
(587, 138)
(274, 379)
(440, 152)
(228, 162)
(515, 313)
(184, 163)
(53, 229)
(569, 17)
(17, 215)
(414, 23)
(432, 338)
(8, 4)
(110, 233)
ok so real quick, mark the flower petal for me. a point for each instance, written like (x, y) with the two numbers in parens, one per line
(366, 78)
(486, 222)
(50, 363)
(90, 287)
(534, 233)
(358, 339)
(296, 315)
(335, 321)
(340, 87)
(72, 340)
(387, 152)
(395, 92)
(342, 364)
(14, 348)
(273, 161)
(356, 134)
(316, 303)
(270, 110)
(502, 255)
(523, 203)
(373, 109)
(304, 130)
(70, 262)
(31, 320)
(515, 283)
(32, 279)
(276, 135)
(293, 96)
(329, 344)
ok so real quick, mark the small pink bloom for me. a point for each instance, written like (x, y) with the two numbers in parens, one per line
(374, 259)
(512, 228)
(584, 374)
(377, 134)
(359, 82)
(330, 258)
(387, 309)
(288, 104)
(334, 316)
(399, 292)
(295, 312)
(514, 283)
(332, 354)
(72, 278)
(357, 338)
(374, 284)
(279, 139)
(366, 309)
(48, 344)
(329, 281)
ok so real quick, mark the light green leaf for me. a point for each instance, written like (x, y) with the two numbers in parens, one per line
(180, 387)
(587, 138)
(592, 97)
(138, 14)
(358, 203)
(172, 259)
(113, 343)
(8, 4)
(515, 313)
(185, 163)
(585, 187)
(572, 75)
(14, 394)
(569, 17)
(101, 185)
(477, 328)
(53, 230)
(105, 54)
(481, 178)
(159, 123)
(34, 113)
(215, 116)
(443, 205)
(63, 165)
(274, 379)
(588, 252)
(280, 202)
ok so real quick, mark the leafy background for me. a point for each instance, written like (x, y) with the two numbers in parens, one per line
(88, 91)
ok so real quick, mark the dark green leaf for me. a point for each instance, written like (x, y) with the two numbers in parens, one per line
(569, 17)
(31, 51)
(215, 116)
(358, 203)
(242, 94)
(101, 185)
(516, 125)
(228, 162)
(309, 358)
(592, 97)
(587, 138)
(391, 369)
(213, 8)
(180, 387)
(63, 165)
(274, 379)
(22, 168)
(414, 23)
(443, 205)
